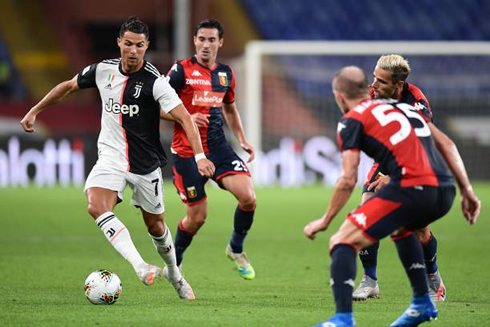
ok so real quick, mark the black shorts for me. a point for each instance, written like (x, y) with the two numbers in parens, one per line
(394, 207)
(190, 184)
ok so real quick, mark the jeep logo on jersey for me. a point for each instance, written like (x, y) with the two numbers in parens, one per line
(124, 109)
(207, 99)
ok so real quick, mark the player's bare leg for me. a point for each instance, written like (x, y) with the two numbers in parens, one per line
(242, 188)
(162, 239)
(101, 202)
(437, 290)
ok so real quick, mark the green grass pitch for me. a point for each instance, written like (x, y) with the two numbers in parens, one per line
(49, 244)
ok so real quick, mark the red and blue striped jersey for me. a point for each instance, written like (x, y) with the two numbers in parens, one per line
(202, 90)
(413, 95)
(396, 136)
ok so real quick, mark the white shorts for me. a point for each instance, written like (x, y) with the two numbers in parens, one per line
(147, 189)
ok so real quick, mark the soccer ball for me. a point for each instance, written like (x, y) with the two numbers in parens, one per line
(102, 287)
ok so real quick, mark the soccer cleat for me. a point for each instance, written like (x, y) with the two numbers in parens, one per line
(422, 309)
(243, 265)
(437, 290)
(184, 290)
(148, 273)
(368, 288)
(339, 320)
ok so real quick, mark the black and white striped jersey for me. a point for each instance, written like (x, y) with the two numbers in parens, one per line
(129, 138)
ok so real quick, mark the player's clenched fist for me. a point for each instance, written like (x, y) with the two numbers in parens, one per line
(27, 123)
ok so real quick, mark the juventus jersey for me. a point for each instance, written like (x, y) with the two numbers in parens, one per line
(129, 138)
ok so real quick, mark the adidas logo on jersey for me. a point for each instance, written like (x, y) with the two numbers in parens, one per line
(196, 73)
(124, 109)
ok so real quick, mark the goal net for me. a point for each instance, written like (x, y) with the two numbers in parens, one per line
(290, 115)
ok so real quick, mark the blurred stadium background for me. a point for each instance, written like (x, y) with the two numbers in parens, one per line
(291, 118)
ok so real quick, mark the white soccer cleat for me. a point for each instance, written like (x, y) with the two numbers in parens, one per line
(182, 287)
(148, 273)
(368, 288)
(437, 290)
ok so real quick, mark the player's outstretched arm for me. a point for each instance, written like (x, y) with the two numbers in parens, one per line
(181, 116)
(234, 122)
(201, 120)
(57, 94)
(341, 193)
(470, 204)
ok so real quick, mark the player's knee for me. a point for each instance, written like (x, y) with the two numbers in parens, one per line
(248, 202)
(156, 227)
(196, 220)
(423, 235)
(95, 211)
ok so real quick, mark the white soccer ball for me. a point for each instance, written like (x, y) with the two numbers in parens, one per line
(103, 287)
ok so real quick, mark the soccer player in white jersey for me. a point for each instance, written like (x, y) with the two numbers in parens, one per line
(133, 93)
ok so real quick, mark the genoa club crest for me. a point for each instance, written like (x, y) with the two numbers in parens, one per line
(191, 192)
(223, 78)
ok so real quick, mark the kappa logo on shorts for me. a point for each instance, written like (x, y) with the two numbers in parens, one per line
(360, 218)
(191, 192)
(158, 206)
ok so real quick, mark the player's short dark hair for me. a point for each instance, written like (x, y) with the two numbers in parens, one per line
(351, 81)
(135, 25)
(211, 23)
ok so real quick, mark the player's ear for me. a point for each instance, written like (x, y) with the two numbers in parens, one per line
(119, 42)
(221, 42)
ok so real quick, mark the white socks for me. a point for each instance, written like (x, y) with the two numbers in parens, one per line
(117, 234)
(165, 247)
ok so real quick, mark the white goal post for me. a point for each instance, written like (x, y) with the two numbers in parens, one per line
(256, 50)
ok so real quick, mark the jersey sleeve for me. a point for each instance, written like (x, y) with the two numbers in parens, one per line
(86, 78)
(349, 134)
(176, 76)
(165, 95)
(230, 93)
(424, 110)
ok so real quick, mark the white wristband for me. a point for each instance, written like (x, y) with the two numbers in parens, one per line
(199, 156)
